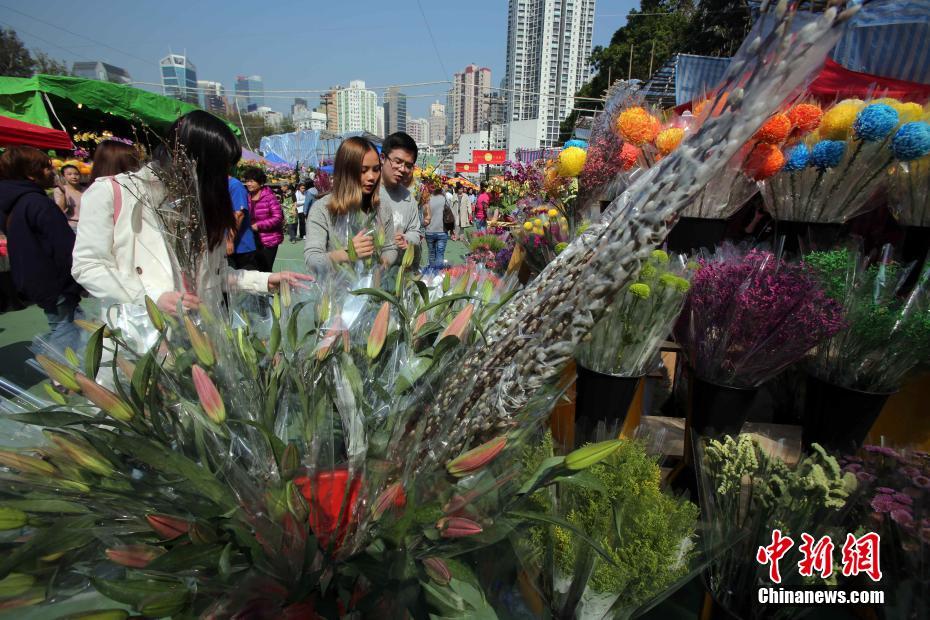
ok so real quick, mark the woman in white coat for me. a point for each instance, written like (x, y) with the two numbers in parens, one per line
(121, 255)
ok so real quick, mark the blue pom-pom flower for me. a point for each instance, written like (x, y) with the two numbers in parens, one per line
(912, 141)
(579, 143)
(875, 122)
(797, 158)
(828, 154)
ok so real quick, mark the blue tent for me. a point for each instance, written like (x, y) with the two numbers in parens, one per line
(274, 159)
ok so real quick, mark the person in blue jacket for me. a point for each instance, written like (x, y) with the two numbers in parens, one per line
(40, 242)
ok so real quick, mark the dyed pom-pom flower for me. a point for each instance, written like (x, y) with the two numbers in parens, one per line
(908, 112)
(828, 154)
(669, 139)
(571, 161)
(805, 117)
(798, 158)
(911, 141)
(764, 161)
(875, 122)
(638, 126)
(629, 155)
(774, 130)
(579, 143)
(838, 120)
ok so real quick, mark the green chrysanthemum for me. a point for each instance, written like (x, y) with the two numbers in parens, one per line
(659, 256)
(640, 290)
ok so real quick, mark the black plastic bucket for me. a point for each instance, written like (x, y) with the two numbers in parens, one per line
(837, 417)
(719, 409)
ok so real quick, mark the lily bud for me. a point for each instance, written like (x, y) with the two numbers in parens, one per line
(72, 357)
(26, 464)
(407, 260)
(15, 584)
(128, 368)
(168, 527)
(54, 394)
(446, 283)
(133, 556)
(276, 305)
(156, 316)
(487, 291)
(462, 285)
(333, 334)
(81, 453)
(201, 345)
(476, 458)
(379, 331)
(457, 527)
(58, 372)
(589, 455)
(391, 497)
(290, 461)
(458, 325)
(437, 570)
(201, 534)
(109, 402)
(209, 397)
(296, 503)
(12, 518)
(92, 326)
(419, 322)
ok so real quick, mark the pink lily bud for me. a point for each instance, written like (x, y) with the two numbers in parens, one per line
(26, 464)
(168, 527)
(437, 570)
(476, 458)
(134, 556)
(459, 323)
(379, 331)
(209, 397)
(419, 322)
(81, 453)
(457, 527)
(391, 497)
(109, 402)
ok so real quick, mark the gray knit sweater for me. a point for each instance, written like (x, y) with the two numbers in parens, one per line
(326, 232)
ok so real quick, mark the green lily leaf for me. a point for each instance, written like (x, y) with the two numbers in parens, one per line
(94, 353)
(411, 372)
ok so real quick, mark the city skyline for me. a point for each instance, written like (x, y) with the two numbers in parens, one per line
(284, 64)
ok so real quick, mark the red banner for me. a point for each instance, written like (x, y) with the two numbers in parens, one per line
(489, 157)
(466, 167)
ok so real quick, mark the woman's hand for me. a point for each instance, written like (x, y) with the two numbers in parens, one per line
(401, 241)
(296, 280)
(168, 302)
(364, 244)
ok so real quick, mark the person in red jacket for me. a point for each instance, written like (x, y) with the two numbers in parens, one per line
(266, 216)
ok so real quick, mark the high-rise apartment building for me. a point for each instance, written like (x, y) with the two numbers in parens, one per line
(466, 108)
(357, 108)
(395, 111)
(328, 107)
(212, 96)
(98, 70)
(179, 78)
(548, 60)
(437, 124)
(418, 128)
(250, 91)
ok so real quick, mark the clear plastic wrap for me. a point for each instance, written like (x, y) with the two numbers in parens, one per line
(910, 192)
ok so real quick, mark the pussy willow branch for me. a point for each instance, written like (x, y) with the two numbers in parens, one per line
(538, 335)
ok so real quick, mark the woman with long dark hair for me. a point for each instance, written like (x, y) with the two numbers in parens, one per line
(122, 253)
(113, 157)
(351, 213)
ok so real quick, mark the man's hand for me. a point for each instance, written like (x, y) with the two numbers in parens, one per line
(168, 302)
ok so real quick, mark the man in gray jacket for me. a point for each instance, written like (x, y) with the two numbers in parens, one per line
(399, 156)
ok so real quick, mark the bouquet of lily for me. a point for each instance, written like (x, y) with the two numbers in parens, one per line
(745, 495)
(751, 314)
(626, 340)
(888, 331)
(894, 501)
(829, 174)
(642, 537)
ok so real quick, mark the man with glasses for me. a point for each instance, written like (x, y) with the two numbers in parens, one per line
(399, 156)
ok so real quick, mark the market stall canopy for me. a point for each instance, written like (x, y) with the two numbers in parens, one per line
(52, 100)
(14, 132)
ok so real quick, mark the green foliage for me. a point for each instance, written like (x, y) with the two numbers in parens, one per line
(643, 529)
(489, 241)
(16, 61)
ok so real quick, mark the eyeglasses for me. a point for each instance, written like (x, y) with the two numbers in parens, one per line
(400, 163)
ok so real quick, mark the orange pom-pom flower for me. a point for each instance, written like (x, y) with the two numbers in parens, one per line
(669, 139)
(637, 126)
(764, 161)
(805, 116)
(775, 130)
(629, 155)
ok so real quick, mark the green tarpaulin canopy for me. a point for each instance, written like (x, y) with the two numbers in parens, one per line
(78, 102)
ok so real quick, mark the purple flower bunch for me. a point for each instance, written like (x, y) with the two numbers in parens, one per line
(751, 314)
(521, 172)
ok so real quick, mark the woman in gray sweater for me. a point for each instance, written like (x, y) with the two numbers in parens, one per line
(351, 213)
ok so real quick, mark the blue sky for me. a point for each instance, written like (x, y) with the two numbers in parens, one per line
(307, 45)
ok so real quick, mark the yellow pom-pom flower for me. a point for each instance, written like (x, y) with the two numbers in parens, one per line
(908, 112)
(553, 213)
(537, 222)
(637, 126)
(571, 161)
(669, 139)
(837, 121)
(527, 226)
